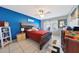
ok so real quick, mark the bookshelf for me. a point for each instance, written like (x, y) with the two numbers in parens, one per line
(5, 36)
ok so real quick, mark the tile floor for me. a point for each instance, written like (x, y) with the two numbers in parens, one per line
(29, 46)
(21, 47)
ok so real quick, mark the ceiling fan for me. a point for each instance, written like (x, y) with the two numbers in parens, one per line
(43, 12)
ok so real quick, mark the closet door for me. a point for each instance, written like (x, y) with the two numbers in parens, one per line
(54, 25)
(50, 25)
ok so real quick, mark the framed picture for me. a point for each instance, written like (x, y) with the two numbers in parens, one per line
(62, 23)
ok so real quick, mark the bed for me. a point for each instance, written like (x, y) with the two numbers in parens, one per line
(40, 36)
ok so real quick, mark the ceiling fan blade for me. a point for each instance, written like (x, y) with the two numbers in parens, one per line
(48, 12)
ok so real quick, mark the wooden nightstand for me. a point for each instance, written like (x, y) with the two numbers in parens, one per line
(21, 36)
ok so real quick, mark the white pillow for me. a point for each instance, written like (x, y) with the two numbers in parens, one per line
(33, 28)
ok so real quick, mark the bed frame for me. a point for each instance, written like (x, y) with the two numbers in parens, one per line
(43, 38)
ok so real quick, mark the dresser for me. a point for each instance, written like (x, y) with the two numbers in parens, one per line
(70, 42)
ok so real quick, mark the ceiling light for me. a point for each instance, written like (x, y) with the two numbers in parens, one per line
(42, 15)
(42, 12)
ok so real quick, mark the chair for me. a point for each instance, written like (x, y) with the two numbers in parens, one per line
(57, 48)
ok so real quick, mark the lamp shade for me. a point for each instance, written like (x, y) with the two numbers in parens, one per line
(6, 24)
(22, 29)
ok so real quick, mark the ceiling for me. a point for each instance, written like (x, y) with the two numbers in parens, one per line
(31, 10)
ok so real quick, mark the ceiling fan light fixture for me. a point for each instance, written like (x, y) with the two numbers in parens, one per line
(42, 12)
(42, 15)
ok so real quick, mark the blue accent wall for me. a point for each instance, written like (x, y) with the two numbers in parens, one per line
(15, 18)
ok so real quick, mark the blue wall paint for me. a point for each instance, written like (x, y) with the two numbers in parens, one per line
(14, 19)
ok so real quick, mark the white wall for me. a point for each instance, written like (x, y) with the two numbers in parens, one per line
(72, 22)
(53, 23)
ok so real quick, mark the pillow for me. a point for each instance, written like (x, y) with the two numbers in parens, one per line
(34, 29)
(29, 30)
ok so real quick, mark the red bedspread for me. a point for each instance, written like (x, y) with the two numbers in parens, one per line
(36, 35)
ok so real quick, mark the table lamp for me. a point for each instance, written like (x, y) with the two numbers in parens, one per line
(6, 24)
(22, 29)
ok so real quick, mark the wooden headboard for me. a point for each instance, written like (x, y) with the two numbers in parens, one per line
(27, 24)
(1, 23)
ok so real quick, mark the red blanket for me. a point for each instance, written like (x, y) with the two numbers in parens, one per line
(36, 35)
